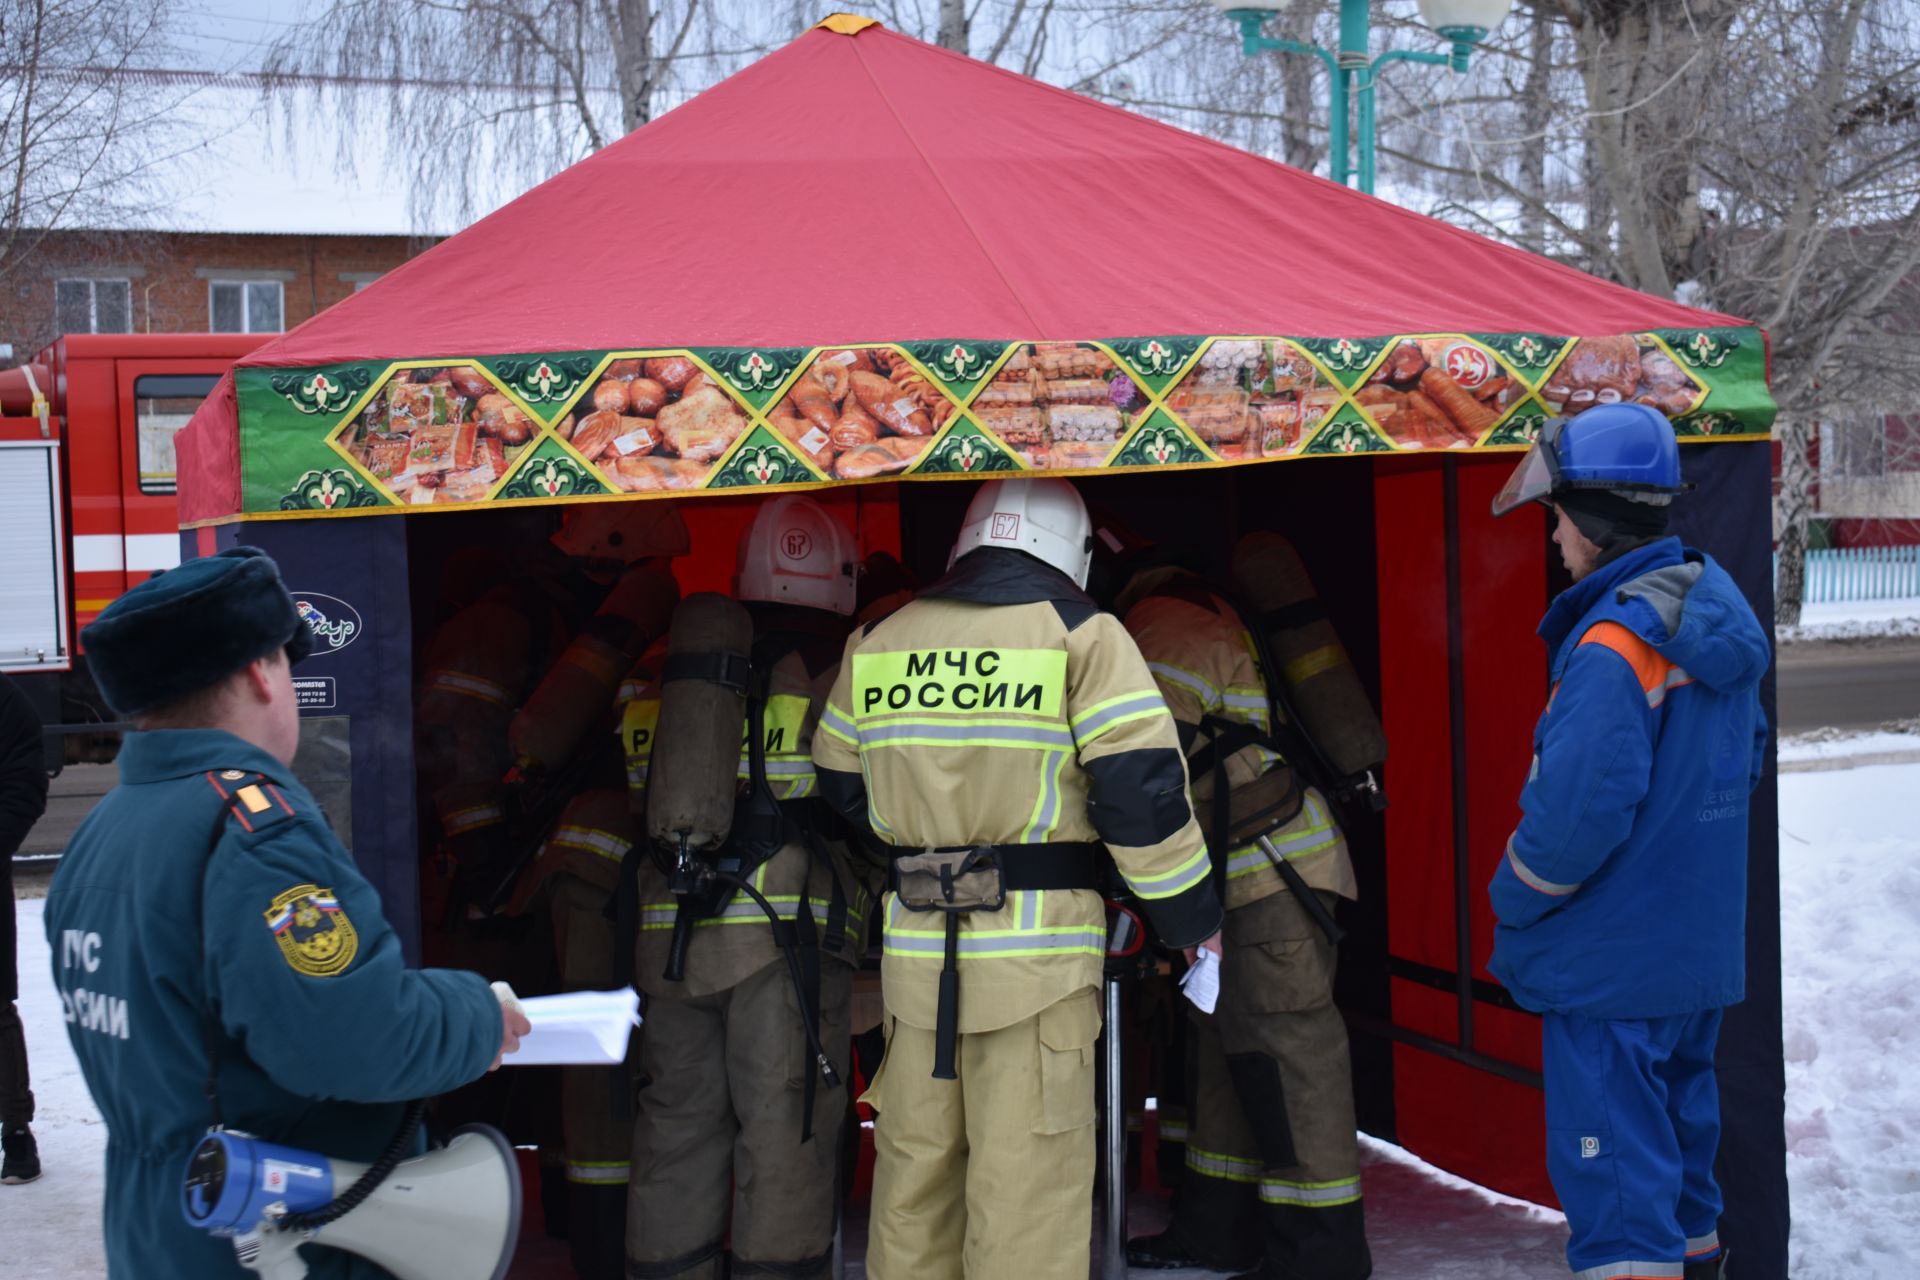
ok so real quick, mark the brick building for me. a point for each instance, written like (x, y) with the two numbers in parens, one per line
(185, 281)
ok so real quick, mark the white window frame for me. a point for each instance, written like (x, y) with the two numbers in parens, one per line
(243, 284)
(93, 284)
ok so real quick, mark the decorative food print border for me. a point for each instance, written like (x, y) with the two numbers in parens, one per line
(373, 436)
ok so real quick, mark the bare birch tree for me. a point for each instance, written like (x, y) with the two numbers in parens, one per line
(1762, 160)
(81, 130)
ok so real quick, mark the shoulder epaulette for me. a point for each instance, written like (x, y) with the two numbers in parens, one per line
(1074, 612)
(252, 799)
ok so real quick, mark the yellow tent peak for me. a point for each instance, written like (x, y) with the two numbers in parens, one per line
(847, 24)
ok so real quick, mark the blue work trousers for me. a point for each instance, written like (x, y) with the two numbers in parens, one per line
(1633, 1121)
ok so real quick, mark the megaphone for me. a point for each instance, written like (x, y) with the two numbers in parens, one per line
(451, 1214)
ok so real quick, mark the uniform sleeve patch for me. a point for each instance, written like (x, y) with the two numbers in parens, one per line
(313, 932)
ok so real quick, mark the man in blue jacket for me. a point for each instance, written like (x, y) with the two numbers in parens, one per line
(210, 936)
(1622, 898)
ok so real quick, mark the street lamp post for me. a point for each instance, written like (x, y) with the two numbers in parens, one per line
(1352, 73)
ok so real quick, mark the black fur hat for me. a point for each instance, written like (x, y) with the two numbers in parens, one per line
(186, 628)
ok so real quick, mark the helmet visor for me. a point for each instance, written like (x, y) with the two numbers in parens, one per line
(1536, 475)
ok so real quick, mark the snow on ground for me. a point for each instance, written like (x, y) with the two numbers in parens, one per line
(52, 1227)
(1850, 922)
(1850, 938)
(1854, 620)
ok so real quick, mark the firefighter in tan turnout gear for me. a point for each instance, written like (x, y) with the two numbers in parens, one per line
(996, 732)
(518, 754)
(736, 1135)
(1272, 1179)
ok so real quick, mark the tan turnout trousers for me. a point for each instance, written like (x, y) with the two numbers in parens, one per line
(724, 1080)
(1272, 1157)
(988, 1175)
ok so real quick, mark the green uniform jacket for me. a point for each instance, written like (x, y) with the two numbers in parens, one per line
(323, 1030)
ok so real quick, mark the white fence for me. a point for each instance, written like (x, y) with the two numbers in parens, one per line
(1859, 573)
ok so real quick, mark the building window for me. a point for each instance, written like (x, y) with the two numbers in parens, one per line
(246, 306)
(162, 404)
(93, 306)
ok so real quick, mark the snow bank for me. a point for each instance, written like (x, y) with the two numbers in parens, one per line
(1854, 620)
(1850, 926)
(1840, 744)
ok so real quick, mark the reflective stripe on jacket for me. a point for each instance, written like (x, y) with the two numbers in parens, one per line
(961, 722)
(1206, 666)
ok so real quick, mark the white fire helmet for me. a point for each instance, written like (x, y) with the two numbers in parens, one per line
(1044, 518)
(623, 532)
(796, 553)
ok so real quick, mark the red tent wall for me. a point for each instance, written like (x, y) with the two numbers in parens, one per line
(1462, 680)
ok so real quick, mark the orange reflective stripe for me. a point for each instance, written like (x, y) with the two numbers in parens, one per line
(1652, 670)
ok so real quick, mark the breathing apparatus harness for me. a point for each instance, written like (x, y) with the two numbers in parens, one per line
(704, 883)
(1300, 756)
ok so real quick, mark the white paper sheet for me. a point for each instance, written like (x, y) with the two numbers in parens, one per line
(578, 1028)
(1202, 981)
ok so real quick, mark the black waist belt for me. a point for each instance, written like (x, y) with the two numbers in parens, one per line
(1059, 864)
(1053, 865)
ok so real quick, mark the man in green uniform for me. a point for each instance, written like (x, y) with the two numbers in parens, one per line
(205, 909)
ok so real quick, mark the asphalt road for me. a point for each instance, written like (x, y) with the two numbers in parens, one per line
(1848, 686)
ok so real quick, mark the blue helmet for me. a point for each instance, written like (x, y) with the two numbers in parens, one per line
(1627, 449)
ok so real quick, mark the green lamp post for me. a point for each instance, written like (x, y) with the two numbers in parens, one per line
(1352, 73)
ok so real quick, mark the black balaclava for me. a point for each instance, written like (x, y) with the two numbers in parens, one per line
(1612, 521)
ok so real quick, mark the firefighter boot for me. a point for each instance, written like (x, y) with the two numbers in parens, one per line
(22, 1156)
(1314, 1244)
(597, 1230)
(1169, 1251)
(1711, 1269)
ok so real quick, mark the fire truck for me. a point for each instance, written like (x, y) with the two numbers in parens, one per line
(87, 494)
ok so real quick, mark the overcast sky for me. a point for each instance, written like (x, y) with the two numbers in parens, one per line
(241, 176)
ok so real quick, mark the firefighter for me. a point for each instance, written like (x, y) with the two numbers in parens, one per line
(1272, 1179)
(995, 732)
(506, 694)
(488, 659)
(728, 1132)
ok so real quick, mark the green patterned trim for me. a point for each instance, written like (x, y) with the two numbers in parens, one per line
(335, 490)
(762, 460)
(347, 437)
(323, 390)
(966, 450)
(553, 474)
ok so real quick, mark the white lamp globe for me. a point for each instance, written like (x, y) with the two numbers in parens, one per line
(1466, 21)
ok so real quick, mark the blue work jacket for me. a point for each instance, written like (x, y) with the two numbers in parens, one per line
(208, 880)
(1623, 892)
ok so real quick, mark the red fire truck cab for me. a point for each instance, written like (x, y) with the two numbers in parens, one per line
(87, 492)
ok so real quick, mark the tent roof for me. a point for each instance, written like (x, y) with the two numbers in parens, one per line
(875, 187)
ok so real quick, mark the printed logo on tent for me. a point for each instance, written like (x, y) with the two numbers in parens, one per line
(335, 623)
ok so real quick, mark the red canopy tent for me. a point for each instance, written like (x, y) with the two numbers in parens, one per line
(859, 187)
